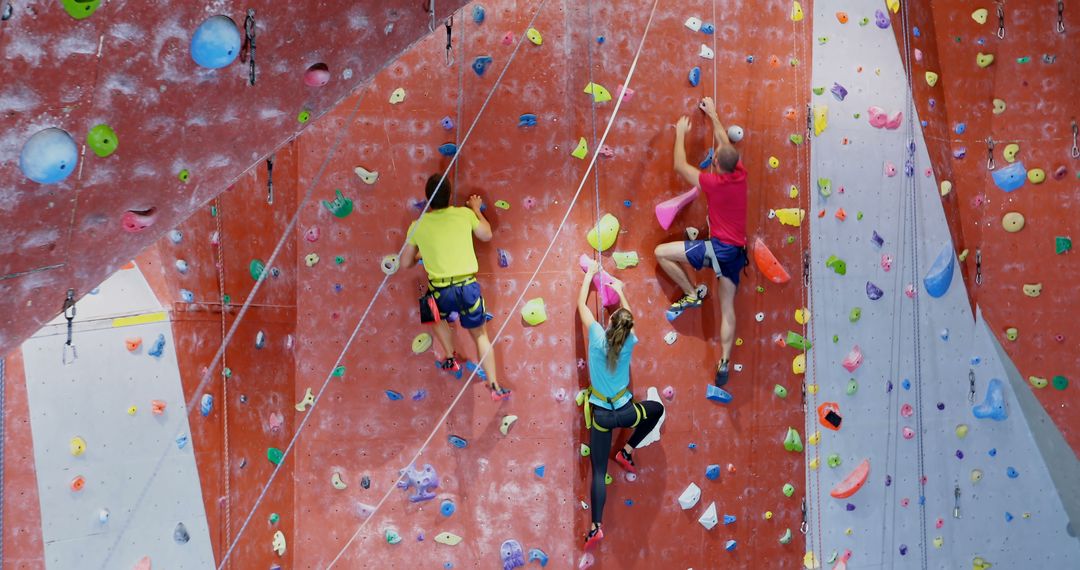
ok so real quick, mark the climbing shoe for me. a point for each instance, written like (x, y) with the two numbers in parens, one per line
(451, 364)
(687, 302)
(721, 377)
(500, 394)
(625, 460)
(594, 538)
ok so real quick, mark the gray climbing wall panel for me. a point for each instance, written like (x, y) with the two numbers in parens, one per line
(91, 398)
(913, 395)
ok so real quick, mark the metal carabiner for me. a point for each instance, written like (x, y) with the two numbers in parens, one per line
(803, 527)
(971, 384)
(270, 180)
(978, 267)
(430, 7)
(249, 33)
(450, 40)
(990, 154)
(1076, 137)
(1061, 16)
(1001, 19)
(69, 314)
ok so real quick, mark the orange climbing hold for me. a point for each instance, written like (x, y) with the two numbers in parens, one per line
(853, 482)
(768, 265)
(78, 483)
(842, 17)
(841, 214)
(158, 407)
(133, 344)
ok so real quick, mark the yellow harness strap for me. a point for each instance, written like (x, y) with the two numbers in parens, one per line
(590, 421)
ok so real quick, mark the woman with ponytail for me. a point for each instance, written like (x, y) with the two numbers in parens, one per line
(608, 401)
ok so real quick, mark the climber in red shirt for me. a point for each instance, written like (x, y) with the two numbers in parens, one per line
(725, 188)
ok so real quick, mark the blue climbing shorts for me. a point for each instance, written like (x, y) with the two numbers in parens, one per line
(731, 258)
(461, 298)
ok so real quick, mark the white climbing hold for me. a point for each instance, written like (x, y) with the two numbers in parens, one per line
(709, 519)
(690, 497)
(367, 176)
(693, 23)
(508, 421)
(706, 52)
(671, 337)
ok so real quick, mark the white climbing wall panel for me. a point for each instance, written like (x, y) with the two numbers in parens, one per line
(90, 398)
(1010, 522)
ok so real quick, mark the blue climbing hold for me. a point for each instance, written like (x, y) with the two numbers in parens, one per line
(478, 14)
(906, 384)
(539, 471)
(695, 76)
(216, 42)
(708, 29)
(730, 545)
(600, 40)
(394, 396)
(717, 394)
(527, 120)
(447, 123)
(993, 406)
(458, 442)
(712, 472)
(1012, 473)
(691, 446)
(481, 63)
(939, 276)
(728, 519)
(448, 149)
(1011, 177)
(159, 347)
(181, 441)
(49, 156)
(708, 160)
(447, 508)
(470, 366)
(1008, 516)
(916, 32)
(206, 405)
(629, 502)
(627, 203)
(187, 296)
(992, 452)
(537, 555)
(960, 128)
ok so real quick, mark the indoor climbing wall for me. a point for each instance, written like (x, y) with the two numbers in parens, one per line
(101, 430)
(934, 462)
(127, 117)
(528, 484)
(1003, 114)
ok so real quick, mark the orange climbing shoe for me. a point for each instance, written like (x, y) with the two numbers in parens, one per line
(625, 460)
(594, 538)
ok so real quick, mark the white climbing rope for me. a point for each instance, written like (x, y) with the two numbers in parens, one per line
(524, 290)
(597, 258)
(359, 325)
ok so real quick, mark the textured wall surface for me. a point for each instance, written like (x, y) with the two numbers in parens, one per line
(129, 65)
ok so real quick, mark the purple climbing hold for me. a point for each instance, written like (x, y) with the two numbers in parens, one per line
(512, 555)
(838, 91)
(909, 169)
(903, 550)
(888, 386)
(959, 454)
(873, 291)
(422, 481)
(881, 19)
(365, 482)
(888, 480)
(877, 239)
(419, 395)
(504, 258)
(940, 406)
(959, 153)
(850, 507)
(447, 123)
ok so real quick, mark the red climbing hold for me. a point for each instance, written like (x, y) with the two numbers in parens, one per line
(768, 265)
(853, 482)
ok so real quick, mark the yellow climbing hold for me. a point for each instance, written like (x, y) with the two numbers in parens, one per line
(931, 78)
(1036, 176)
(812, 388)
(598, 92)
(582, 149)
(798, 366)
(793, 192)
(980, 15)
(810, 561)
(397, 96)
(979, 563)
(739, 341)
(78, 446)
(131, 410)
(821, 119)
(815, 438)
(448, 538)
(607, 230)
(1037, 381)
(534, 36)
(791, 216)
(946, 187)
(534, 312)
(507, 421)
(984, 59)
(999, 106)
(1033, 289)
(279, 543)
(796, 12)
(1012, 222)
(963, 255)
(1010, 152)
(939, 542)
(1012, 334)
(421, 343)
(802, 316)
(814, 463)
(894, 5)
(774, 162)
(961, 431)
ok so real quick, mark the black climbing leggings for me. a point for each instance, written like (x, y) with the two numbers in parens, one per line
(600, 442)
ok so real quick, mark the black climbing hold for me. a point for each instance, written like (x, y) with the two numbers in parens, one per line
(180, 534)
(365, 482)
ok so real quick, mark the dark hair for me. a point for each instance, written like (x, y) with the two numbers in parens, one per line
(727, 158)
(621, 323)
(441, 192)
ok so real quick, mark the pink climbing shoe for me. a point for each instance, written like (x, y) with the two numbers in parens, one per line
(594, 537)
(625, 460)
(500, 394)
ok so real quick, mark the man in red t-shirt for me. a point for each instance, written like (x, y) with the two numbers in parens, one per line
(725, 188)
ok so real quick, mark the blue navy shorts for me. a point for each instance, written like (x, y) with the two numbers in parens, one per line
(731, 258)
(465, 300)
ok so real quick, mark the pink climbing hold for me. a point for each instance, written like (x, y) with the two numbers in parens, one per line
(138, 220)
(607, 152)
(625, 92)
(669, 393)
(143, 564)
(668, 209)
(317, 75)
(602, 281)
(854, 359)
(841, 564)
(879, 119)
(508, 39)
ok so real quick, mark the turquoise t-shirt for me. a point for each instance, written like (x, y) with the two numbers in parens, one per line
(606, 381)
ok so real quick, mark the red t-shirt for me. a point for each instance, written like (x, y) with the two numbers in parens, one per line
(726, 196)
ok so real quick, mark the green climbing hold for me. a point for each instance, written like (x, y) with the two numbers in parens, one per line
(1060, 382)
(838, 265)
(102, 140)
(786, 537)
(834, 460)
(256, 267)
(824, 186)
(184, 176)
(859, 215)
(855, 315)
(274, 518)
(1062, 244)
(760, 289)
(226, 372)
(274, 455)
(792, 441)
(819, 90)
(796, 340)
(852, 387)
(339, 372)
(392, 537)
(796, 139)
(585, 451)
(780, 391)
(791, 239)
(339, 260)
(341, 206)
(213, 211)
(608, 479)
(1024, 59)
(835, 338)
(226, 300)
(81, 9)
(789, 489)
(304, 116)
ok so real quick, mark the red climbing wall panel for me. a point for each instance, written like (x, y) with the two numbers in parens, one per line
(22, 510)
(356, 430)
(129, 65)
(261, 381)
(1033, 74)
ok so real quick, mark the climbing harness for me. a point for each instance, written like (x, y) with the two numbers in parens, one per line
(990, 154)
(69, 314)
(1076, 137)
(249, 51)
(450, 41)
(1001, 19)
(270, 180)
(584, 401)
